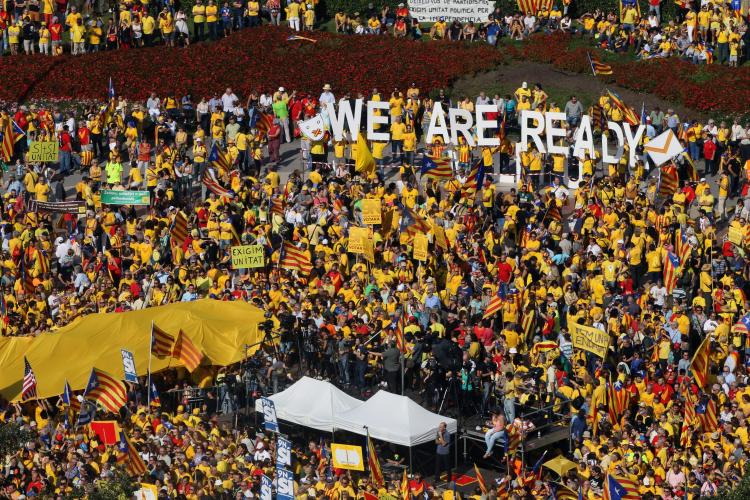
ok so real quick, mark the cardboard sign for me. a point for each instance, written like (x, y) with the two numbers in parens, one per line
(735, 235)
(590, 339)
(248, 256)
(356, 237)
(420, 246)
(347, 456)
(128, 366)
(284, 484)
(371, 211)
(270, 423)
(43, 152)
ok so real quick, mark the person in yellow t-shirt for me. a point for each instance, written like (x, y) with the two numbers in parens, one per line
(199, 20)
(253, 13)
(166, 26)
(309, 18)
(78, 37)
(409, 145)
(398, 129)
(292, 14)
(212, 18)
(44, 40)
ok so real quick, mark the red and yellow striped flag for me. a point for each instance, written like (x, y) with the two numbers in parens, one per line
(295, 259)
(480, 480)
(372, 461)
(701, 361)
(187, 352)
(161, 342)
(179, 231)
(405, 493)
(493, 307)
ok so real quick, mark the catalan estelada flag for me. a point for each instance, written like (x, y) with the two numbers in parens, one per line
(620, 488)
(128, 455)
(598, 67)
(411, 222)
(436, 168)
(701, 361)
(218, 159)
(671, 264)
(374, 464)
(106, 390)
(705, 412)
(187, 352)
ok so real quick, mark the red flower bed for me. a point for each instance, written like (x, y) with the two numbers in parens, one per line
(260, 58)
(712, 88)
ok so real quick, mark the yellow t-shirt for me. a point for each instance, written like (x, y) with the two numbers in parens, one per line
(211, 13)
(199, 13)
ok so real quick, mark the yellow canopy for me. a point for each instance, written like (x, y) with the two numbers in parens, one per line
(560, 465)
(219, 329)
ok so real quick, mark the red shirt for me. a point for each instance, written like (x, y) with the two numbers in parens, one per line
(55, 32)
(504, 272)
(84, 136)
(65, 142)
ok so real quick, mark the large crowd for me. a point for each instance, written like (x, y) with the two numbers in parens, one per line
(487, 313)
(703, 33)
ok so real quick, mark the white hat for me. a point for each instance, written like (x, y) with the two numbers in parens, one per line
(524, 85)
(281, 89)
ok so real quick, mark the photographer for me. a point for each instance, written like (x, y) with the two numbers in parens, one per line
(392, 360)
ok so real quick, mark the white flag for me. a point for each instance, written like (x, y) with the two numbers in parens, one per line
(314, 128)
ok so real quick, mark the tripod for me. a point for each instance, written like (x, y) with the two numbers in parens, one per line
(452, 387)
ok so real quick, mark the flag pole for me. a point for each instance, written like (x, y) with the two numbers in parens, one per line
(150, 350)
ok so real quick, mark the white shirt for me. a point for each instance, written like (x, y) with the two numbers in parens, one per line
(265, 100)
(658, 294)
(738, 133)
(227, 102)
(710, 325)
(327, 97)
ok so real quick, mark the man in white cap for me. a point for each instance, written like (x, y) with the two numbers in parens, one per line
(327, 96)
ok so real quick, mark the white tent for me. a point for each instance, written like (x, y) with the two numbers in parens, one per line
(311, 403)
(394, 419)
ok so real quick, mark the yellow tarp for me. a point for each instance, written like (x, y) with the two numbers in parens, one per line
(220, 329)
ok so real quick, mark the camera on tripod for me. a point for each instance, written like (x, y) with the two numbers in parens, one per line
(266, 326)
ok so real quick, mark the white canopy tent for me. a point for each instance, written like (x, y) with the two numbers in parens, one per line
(394, 419)
(311, 403)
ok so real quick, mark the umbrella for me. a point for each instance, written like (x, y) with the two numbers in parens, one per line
(560, 465)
